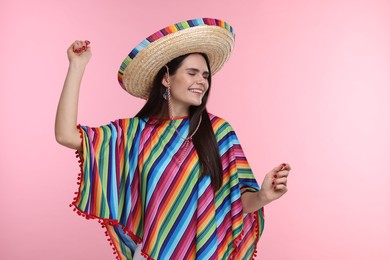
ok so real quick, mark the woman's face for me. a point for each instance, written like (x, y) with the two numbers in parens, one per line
(189, 84)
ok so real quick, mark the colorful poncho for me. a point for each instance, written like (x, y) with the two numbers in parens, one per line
(136, 180)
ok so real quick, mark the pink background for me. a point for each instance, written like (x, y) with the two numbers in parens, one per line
(308, 84)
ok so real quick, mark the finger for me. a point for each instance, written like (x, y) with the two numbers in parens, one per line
(278, 168)
(76, 46)
(280, 181)
(286, 166)
(281, 188)
(78, 50)
(281, 174)
(85, 46)
(283, 166)
(80, 46)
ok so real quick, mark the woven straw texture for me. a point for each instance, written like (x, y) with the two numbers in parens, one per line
(136, 74)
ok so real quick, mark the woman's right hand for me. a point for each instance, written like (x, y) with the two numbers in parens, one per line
(79, 52)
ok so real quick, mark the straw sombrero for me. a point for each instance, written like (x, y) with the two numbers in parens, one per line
(213, 37)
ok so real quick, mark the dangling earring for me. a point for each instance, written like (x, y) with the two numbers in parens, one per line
(165, 94)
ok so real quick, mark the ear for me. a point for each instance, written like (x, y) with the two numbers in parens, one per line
(165, 80)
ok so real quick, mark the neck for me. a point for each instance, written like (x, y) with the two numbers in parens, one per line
(176, 110)
(176, 113)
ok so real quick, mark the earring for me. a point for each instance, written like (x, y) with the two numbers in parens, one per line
(165, 94)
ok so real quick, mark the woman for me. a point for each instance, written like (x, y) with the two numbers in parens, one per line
(172, 182)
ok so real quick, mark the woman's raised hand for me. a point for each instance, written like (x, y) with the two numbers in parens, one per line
(79, 52)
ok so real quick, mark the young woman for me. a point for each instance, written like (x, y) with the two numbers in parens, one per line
(172, 182)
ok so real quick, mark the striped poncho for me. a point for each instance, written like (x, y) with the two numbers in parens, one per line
(144, 188)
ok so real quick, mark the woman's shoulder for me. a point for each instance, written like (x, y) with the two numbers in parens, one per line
(220, 124)
(128, 123)
(216, 118)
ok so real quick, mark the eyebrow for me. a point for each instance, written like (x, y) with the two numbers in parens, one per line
(197, 70)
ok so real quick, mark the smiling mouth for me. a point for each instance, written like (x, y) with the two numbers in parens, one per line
(198, 91)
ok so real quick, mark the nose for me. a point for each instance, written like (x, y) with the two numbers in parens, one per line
(202, 81)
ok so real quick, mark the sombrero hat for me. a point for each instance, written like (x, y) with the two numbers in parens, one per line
(213, 37)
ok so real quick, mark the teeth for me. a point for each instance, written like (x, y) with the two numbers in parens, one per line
(196, 91)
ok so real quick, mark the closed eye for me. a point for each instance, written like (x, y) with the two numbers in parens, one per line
(194, 71)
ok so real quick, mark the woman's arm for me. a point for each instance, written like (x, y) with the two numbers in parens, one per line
(66, 132)
(273, 187)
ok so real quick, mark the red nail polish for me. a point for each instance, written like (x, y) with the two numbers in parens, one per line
(273, 183)
(275, 176)
(284, 165)
(87, 42)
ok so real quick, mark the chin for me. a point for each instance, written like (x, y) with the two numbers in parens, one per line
(196, 104)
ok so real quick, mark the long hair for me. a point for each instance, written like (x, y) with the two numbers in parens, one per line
(204, 139)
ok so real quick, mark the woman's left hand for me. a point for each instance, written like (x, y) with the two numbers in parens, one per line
(273, 187)
(275, 183)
